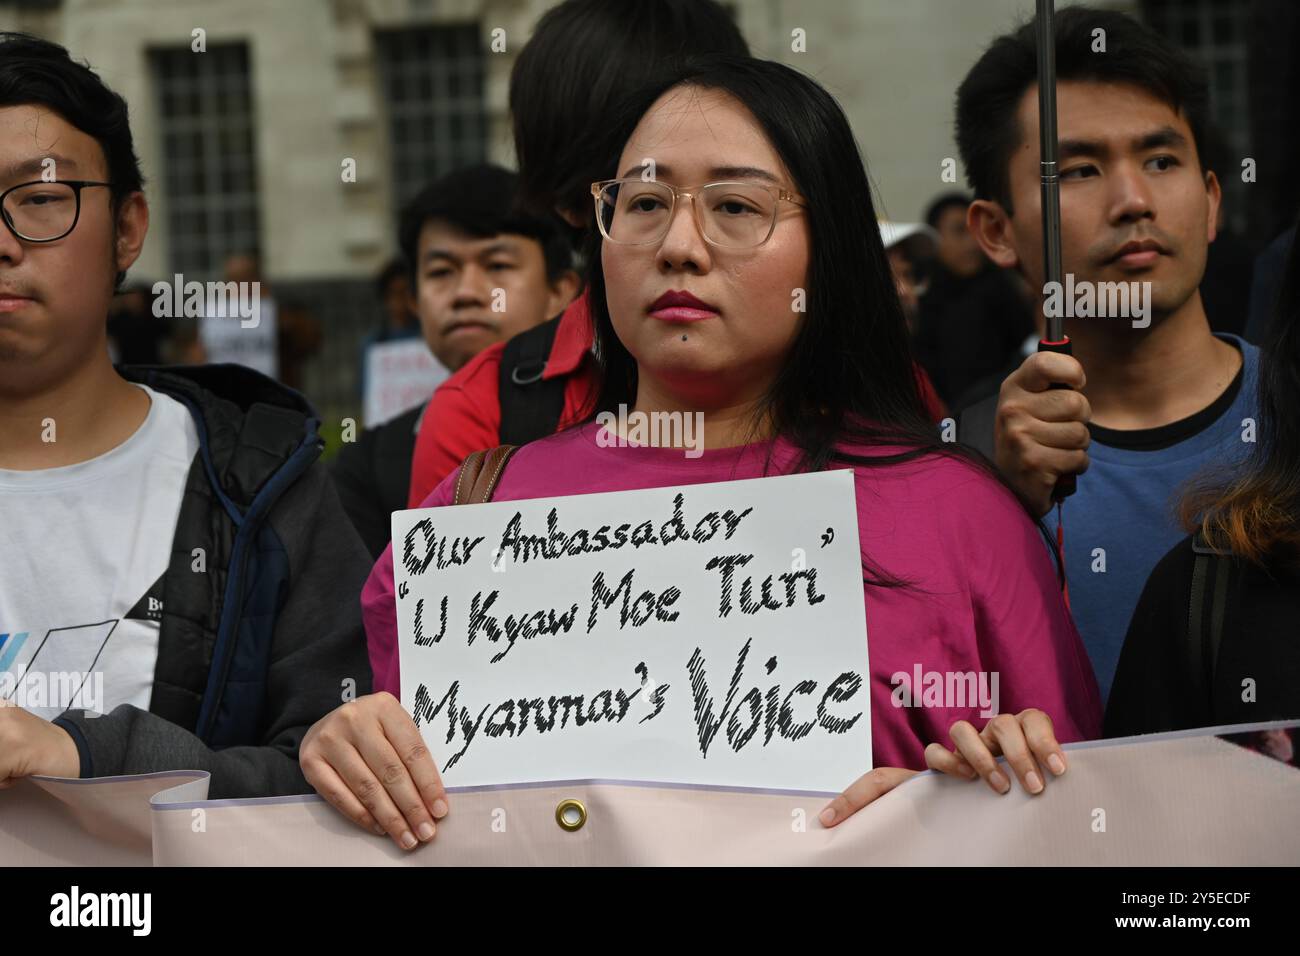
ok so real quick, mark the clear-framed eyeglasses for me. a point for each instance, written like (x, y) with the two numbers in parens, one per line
(733, 215)
(43, 211)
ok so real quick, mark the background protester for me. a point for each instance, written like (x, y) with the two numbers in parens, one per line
(973, 315)
(691, 310)
(1212, 640)
(279, 341)
(230, 338)
(398, 320)
(483, 271)
(1153, 398)
(910, 247)
(169, 534)
(483, 268)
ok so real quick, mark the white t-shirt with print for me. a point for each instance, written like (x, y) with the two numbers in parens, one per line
(83, 549)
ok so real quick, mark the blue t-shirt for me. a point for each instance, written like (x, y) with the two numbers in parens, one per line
(1121, 519)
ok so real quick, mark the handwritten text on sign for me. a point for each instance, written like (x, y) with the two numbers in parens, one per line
(709, 634)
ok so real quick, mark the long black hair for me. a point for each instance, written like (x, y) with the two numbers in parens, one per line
(849, 375)
(850, 378)
(1256, 513)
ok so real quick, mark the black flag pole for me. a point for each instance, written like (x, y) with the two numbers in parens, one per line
(1055, 340)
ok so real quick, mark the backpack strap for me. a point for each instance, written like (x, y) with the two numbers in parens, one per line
(530, 405)
(479, 474)
(1208, 599)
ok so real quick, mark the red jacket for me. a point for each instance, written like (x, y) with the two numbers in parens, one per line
(464, 415)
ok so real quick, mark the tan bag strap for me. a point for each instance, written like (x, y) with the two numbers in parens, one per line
(479, 474)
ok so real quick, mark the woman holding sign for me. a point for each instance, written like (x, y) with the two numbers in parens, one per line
(738, 276)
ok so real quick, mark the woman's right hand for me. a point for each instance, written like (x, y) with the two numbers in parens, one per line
(368, 760)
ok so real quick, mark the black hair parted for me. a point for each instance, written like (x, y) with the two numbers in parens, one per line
(584, 56)
(38, 72)
(988, 130)
(483, 200)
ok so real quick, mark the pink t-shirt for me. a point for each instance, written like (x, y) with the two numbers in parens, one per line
(984, 598)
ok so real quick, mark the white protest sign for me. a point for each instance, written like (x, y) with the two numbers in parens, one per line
(399, 376)
(228, 337)
(709, 634)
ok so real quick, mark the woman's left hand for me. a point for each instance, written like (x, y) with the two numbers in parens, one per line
(1025, 739)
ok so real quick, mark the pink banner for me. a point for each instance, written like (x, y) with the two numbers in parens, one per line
(1172, 800)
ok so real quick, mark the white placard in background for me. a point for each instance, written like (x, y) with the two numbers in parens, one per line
(227, 339)
(722, 642)
(399, 376)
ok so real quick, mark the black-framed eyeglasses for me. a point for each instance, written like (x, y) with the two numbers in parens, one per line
(42, 211)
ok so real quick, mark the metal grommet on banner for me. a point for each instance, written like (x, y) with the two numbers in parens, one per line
(570, 815)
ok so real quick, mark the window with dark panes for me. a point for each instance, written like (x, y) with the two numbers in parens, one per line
(432, 83)
(206, 125)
